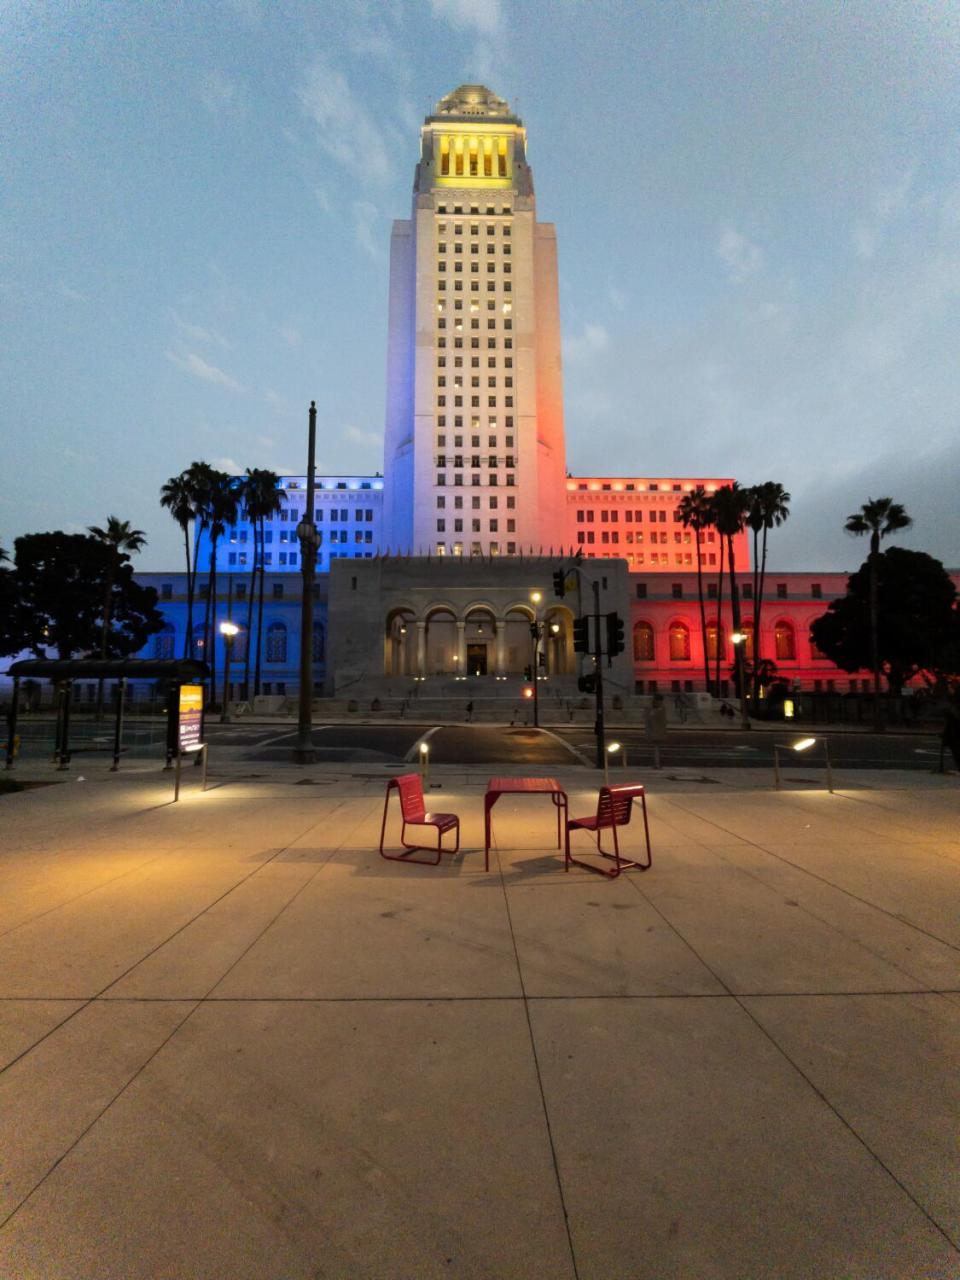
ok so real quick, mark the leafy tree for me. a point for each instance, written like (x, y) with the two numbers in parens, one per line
(731, 504)
(696, 512)
(768, 510)
(8, 628)
(912, 609)
(878, 517)
(261, 498)
(58, 590)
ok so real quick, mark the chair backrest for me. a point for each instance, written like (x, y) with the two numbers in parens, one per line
(410, 787)
(616, 804)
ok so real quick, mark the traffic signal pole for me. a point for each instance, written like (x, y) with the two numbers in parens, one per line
(598, 655)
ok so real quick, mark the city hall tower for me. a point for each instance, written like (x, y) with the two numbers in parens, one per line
(474, 441)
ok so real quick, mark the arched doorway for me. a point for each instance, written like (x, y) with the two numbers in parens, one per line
(479, 641)
(400, 643)
(517, 641)
(558, 641)
(442, 657)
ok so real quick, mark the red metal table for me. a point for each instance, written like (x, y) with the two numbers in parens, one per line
(498, 787)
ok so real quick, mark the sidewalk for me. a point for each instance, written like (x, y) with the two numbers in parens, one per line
(236, 1043)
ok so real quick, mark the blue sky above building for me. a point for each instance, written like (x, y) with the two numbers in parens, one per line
(757, 208)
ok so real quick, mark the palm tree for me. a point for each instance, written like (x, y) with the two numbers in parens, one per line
(179, 496)
(122, 540)
(696, 513)
(768, 510)
(731, 505)
(221, 505)
(878, 517)
(262, 499)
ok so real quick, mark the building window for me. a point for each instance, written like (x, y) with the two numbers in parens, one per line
(785, 644)
(679, 642)
(278, 591)
(641, 591)
(277, 642)
(643, 650)
(712, 640)
(816, 590)
(676, 590)
(164, 642)
(781, 591)
(166, 591)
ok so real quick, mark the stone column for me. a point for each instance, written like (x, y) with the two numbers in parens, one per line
(500, 654)
(421, 648)
(461, 663)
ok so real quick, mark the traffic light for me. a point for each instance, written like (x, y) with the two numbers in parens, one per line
(581, 635)
(587, 684)
(560, 583)
(528, 673)
(615, 641)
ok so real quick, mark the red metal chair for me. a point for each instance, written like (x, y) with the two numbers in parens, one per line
(413, 813)
(613, 812)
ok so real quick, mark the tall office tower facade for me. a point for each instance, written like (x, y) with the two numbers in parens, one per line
(474, 441)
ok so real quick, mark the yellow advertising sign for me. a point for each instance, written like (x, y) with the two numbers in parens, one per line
(190, 717)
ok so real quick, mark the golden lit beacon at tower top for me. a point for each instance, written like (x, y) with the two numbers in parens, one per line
(473, 140)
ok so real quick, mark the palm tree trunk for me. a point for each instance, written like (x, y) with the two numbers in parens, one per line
(875, 640)
(703, 614)
(256, 675)
(738, 649)
(188, 639)
(719, 617)
(756, 617)
(253, 587)
(212, 600)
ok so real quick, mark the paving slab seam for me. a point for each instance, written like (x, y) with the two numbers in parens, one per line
(823, 880)
(103, 990)
(536, 1067)
(954, 1244)
(196, 1004)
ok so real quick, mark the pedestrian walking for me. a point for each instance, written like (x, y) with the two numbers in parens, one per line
(469, 712)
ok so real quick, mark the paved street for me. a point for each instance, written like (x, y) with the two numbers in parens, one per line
(236, 1043)
(517, 745)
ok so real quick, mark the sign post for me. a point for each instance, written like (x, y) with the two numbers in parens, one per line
(189, 730)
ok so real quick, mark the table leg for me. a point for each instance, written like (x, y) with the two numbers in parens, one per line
(487, 806)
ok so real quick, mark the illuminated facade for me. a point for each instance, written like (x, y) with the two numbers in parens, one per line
(475, 507)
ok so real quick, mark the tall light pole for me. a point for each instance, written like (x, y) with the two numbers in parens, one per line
(228, 630)
(536, 632)
(739, 640)
(307, 533)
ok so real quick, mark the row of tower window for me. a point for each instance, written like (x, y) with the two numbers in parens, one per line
(476, 549)
(475, 320)
(474, 402)
(476, 460)
(474, 226)
(492, 479)
(589, 537)
(474, 308)
(505, 249)
(505, 285)
(493, 525)
(474, 442)
(586, 516)
(492, 503)
(475, 267)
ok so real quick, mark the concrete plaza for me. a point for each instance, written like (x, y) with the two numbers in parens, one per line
(236, 1043)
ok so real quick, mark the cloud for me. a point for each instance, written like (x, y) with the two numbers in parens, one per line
(229, 465)
(889, 203)
(346, 131)
(469, 15)
(267, 442)
(593, 339)
(364, 220)
(221, 96)
(741, 258)
(276, 401)
(199, 334)
(360, 436)
(197, 367)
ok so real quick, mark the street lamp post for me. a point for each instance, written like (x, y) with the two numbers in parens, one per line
(536, 634)
(739, 644)
(307, 533)
(228, 630)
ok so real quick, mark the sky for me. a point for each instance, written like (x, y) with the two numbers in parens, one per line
(757, 208)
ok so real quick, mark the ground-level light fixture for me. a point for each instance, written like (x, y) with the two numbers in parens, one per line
(612, 749)
(424, 761)
(800, 745)
(528, 691)
(229, 629)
